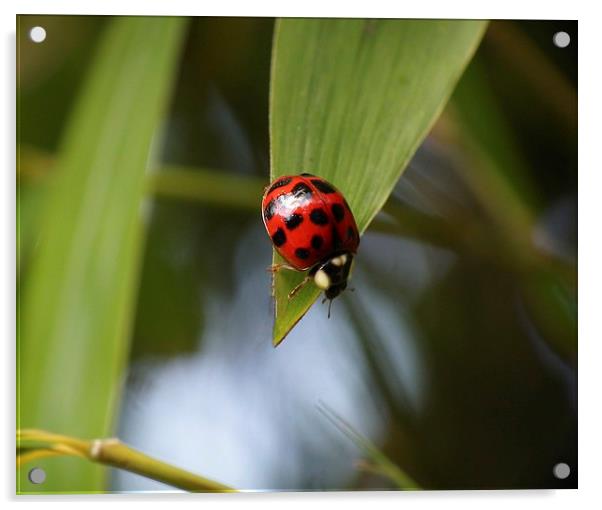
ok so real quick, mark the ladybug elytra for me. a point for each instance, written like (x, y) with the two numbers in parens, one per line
(312, 228)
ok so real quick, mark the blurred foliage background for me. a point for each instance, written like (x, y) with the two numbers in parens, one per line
(456, 355)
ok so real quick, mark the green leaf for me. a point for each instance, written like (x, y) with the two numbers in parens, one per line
(77, 308)
(351, 101)
(380, 463)
(498, 173)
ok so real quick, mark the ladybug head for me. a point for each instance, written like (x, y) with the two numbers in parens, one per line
(331, 276)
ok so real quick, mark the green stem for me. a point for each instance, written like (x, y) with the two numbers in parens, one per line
(218, 188)
(207, 186)
(111, 452)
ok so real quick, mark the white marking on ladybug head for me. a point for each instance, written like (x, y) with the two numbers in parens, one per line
(322, 280)
(339, 261)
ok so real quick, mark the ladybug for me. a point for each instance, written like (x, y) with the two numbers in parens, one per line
(312, 228)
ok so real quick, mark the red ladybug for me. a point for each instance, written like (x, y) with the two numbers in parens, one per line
(311, 227)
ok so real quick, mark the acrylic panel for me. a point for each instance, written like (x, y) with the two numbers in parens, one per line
(156, 353)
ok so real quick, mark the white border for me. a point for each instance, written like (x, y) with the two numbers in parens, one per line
(590, 254)
(551, 9)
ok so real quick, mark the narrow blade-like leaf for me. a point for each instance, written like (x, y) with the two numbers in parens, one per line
(78, 301)
(351, 100)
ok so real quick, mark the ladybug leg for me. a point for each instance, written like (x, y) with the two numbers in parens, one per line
(329, 304)
(299, 287)
(274, 268)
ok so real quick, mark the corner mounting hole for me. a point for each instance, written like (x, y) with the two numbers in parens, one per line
(37, 34)
(562, 471)
(562, 39)
(37, 476)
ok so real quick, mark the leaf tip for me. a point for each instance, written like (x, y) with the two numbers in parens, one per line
(278, 336)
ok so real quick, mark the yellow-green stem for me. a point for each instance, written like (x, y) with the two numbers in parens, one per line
(111, 452)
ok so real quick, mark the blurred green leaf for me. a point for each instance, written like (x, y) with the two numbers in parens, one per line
(553, 310)
(498, 173)
(78, 304)
(49, 75)
(527, 65)
(487, 376)
(169, 311)
(495, 170)
(380, 463)
(351, 101)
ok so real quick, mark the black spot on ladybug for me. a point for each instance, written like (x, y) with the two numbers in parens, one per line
(301, 190)
(336, 239)
(302, 253)
(318, 216)
(307, 175)
(279, 183)
(350, 233)
(317, 242)
(293, 221)
(323, 186)
(279, 238)
(338, 211)
(268, 212)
